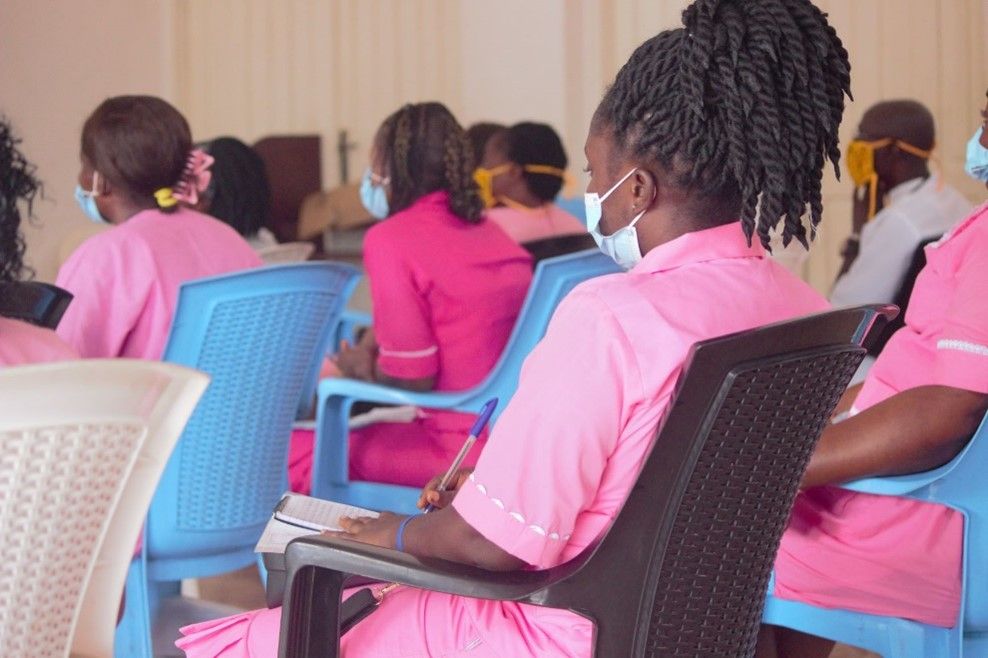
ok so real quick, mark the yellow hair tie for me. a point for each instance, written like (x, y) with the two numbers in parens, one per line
(165, 198)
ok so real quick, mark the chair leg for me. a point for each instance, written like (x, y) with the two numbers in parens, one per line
(143, 598)
(310, 616)
(133, 635)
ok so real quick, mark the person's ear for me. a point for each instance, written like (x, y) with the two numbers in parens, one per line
(645, 190)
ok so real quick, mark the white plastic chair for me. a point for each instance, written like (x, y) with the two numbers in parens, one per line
(286, 252)
(76, 438)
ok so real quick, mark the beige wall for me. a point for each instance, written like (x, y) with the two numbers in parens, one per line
(257, 67)
(58, 60)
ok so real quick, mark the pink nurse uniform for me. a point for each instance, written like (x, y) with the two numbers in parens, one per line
(22, 343)
(527, 225)
(887, 555)
(568, 447)
(446, 295)
(125, 280)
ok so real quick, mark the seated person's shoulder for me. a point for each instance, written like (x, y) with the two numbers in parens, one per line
(22, 343)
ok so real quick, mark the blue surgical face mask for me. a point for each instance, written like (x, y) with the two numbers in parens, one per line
(87, 201)
(976, 165)
(374, 196)
(622, 245)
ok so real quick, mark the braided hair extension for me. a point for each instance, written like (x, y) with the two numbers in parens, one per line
(740, 107)
(424, 149)
(17, 184)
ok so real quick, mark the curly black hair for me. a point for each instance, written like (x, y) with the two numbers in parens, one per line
(740, 108)
(18, 185)
(425, 150)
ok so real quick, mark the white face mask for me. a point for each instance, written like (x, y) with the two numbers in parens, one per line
(622, 245)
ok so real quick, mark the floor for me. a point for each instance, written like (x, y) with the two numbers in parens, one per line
(243, 589)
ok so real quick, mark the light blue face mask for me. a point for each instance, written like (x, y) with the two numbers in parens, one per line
(976, 164)
(87, 201)
(622, 245)
(374, 196)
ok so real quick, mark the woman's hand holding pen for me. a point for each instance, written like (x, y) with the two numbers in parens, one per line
(439, 499)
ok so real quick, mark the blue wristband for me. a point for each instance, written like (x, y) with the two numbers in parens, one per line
(400, 537)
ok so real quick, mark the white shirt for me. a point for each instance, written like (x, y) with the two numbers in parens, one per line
(915, 211)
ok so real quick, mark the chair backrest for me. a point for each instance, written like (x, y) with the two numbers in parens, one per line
(257, 334)
(70, 436)
(286, 252)
(39, 303)
(558, 245)
(574, 206)
(703, 522)
(554, 278)
(901, 299)
(294, 169)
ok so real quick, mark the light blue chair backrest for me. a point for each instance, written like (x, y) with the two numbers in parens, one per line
(554, 278)
(257, 334)
(960, 484)
(574, 206)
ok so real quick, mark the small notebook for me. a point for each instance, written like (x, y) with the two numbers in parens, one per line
(298, 516)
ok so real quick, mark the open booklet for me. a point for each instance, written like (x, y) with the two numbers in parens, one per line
(298, 516)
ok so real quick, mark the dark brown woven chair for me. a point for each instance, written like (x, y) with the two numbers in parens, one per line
(683, 570)
(877, 341)
(31, 301)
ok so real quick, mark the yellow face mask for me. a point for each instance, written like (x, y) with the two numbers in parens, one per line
(485, 179)
(860, 161)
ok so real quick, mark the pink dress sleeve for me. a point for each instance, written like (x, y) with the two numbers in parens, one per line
(110, 290)
(546, 457)
(402, 320)
(962, 348)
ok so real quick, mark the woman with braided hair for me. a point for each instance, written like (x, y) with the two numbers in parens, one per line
(446, 288)
(736, 111)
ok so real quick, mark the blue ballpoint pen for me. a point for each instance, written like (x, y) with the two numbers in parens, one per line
(478, 427)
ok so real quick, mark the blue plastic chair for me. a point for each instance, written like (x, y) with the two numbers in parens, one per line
(574, 206)
(959, 484)
(554, 278)
(257, 333)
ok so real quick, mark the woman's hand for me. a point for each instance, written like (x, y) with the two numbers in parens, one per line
(378, 532)
(357, 361)
(431, 496)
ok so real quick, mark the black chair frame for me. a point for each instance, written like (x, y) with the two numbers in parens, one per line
(39, 303)
(684, 568)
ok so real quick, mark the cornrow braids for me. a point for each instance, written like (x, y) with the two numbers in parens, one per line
(426, 150)
(740, 107)
(18, 184)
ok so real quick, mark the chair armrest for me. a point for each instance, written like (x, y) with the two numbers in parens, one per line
(368, 392)
(386, 565)
(349, 321)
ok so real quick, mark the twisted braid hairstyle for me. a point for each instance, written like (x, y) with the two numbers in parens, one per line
(739, 108)
(18, 184)
(423, 150)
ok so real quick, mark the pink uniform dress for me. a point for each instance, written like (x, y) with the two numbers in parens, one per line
(568, 447)
(446, 295)
(22, 343)
(126, 280)
(527, 225)
(887, 555)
